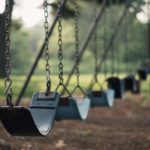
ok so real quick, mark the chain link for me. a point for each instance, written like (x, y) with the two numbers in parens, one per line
(105, 42)
(60, 44)
(47, 57)
(126, 43)
(8, 81)
(77, 55)
(112, 44)
(76, 20)
(96, 56)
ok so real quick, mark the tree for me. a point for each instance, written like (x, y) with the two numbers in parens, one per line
(21, 52)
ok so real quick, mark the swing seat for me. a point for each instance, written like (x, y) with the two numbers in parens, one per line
(101, 98)
(136, 89)
(117, 85)
(37, 120)
(71, 109)
(129, 83)
(142, 74)
(147, 68)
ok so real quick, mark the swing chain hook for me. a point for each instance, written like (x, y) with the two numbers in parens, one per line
(47, 56)
(8, 92)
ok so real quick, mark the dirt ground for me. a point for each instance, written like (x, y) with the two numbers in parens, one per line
(126, 126)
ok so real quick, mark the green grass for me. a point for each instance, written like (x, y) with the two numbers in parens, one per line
(38, 84)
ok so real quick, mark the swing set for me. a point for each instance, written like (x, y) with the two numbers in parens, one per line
(49, 106)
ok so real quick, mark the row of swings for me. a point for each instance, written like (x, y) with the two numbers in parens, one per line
(48, 106)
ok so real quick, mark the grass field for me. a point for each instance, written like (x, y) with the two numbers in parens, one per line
(38, 84)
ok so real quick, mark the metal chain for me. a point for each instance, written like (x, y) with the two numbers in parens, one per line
(77, 55)
(47, 57)
(60, 44)
(126, 43)
(76, 20)
(60, 51)
(8, 80)
(148, 24)
(117, 52)
(112, 44)
(105, 42)
(148, 5)
(95, 56)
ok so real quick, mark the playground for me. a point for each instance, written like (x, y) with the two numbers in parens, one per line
(72, 78)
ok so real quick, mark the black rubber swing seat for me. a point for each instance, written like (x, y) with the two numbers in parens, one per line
(117, 85)
(142, 73)
(145, 66)
(129, 83)
(37, 120)
(101, 98)
(71, 108)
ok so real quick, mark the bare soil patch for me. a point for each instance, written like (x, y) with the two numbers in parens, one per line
(126, 126)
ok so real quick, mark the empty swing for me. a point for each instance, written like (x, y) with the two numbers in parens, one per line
(114, 82)
(70, 107)
(142, 74)
(99, 98)
(38, 119)
(131, 84)
(129, 80)
(144, 68)
(117, 85)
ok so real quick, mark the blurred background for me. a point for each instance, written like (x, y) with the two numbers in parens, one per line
(27, 37)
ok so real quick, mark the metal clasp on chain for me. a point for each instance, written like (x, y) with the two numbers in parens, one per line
(8, 92)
